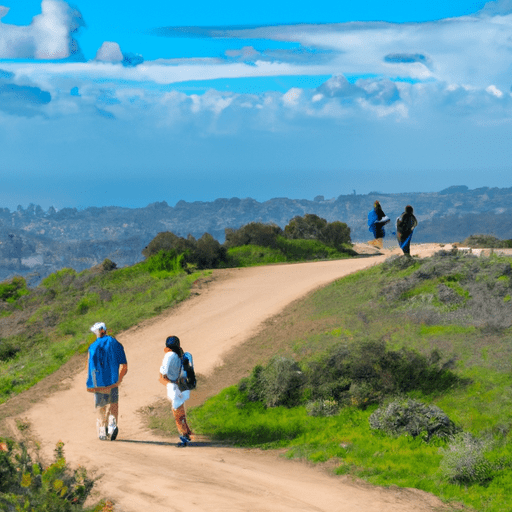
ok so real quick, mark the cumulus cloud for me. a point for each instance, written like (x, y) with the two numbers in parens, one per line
(109, 52)
(50, 35)
(378, 91)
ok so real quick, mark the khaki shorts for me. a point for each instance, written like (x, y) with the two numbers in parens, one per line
(103, 399)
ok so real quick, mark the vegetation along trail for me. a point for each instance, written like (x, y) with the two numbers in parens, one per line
(144, 472)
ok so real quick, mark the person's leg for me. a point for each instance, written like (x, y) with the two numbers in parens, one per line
(406, 248)
(113, 413)
(101, 405)
(180, 417)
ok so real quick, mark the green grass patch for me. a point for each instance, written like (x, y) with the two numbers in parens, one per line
(461, 322)
(62, 308)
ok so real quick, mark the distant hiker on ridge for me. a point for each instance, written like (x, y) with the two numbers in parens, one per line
(106, 367)
(405, 225)
(376, 221)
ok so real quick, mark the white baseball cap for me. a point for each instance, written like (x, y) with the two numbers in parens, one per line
(98, 326)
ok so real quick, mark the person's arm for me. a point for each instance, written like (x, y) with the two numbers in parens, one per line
(163, 379)
(123, 371)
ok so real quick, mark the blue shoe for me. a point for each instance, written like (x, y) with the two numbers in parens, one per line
(183, 442)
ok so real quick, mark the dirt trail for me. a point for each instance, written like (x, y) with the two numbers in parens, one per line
(143, 472)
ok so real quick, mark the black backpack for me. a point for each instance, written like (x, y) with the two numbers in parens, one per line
(187, 378)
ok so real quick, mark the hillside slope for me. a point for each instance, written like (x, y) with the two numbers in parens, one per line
(144, 472)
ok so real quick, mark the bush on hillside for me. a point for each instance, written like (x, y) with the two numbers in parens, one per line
(108, 265)
(414, 418)
(254, 233)
(280, 382)
(335, 234)
(208, 253)
(464, 460)
(27, 485)
(8, 349)
(453, 287)
(169, 242)
(308, 227)
(486, 242)
(313, 227)
(203, 253)
(368, 372)
(12, 290)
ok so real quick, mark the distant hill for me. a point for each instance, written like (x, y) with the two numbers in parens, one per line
(35, 243)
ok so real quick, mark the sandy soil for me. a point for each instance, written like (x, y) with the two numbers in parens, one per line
(144, 472)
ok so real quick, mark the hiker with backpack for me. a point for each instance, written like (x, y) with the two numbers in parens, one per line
(106, 367)
(405, 225)
(177, 374)
(377, 219)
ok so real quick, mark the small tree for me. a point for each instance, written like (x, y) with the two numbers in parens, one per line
(335, 234)
(308, 227)
(254, 233)
(208, 252)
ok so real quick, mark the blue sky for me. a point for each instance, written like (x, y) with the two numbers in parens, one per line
(124, 103)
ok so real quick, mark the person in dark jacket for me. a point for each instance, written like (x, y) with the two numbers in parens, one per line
(376, 221)
(405, 225)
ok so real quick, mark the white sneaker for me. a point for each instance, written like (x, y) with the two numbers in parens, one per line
(103, 433)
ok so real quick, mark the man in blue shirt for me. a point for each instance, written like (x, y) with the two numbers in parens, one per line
(106, 368)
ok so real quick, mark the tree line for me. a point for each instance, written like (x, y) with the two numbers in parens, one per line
(314, 238)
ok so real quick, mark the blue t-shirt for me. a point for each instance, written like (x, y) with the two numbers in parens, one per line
(105, 356)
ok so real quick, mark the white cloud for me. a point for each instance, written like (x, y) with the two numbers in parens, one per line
(292, 97)
(109, 52)
(49, 36)
(492, 89)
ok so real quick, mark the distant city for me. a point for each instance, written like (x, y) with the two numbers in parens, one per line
(34, 243)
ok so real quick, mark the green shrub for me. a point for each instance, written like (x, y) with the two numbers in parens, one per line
(27, 485)
(108, 265)
(280, 382)
(8, 349)
(254, 233)
(164, 261)
(88, 302)
(203, 253)
(12, 290)
(312, 227)
(59, 280)
(486, 242)
(414, 418)
(308, 227)
(208, 253)
(335, 234)
(464, 460)
(323, 408)
(169, 243)
(366, 372)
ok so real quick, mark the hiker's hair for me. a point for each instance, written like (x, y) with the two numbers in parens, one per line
(173, 343)
(177, 350)
(408, 209)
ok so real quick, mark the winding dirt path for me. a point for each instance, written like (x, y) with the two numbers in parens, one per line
(145, 473)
